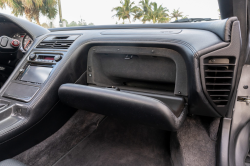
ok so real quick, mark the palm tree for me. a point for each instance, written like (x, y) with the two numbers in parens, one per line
(186, 16)
(145, 5)
(32, 8)
(176, 13)
(157, 14)
(145, 9)
(126, 9)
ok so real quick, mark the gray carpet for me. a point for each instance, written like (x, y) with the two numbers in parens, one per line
(195, 142)
(88, 139)
(118, 142)
(80, 125)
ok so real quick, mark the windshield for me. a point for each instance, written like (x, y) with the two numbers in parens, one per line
(67, 13)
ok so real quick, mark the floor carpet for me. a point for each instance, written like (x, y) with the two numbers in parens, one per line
(118, 142)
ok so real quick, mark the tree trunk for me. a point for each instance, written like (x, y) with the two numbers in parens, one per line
(37, 20)
(154, 20)
(129, 20)
(29, 18)
(28, 14)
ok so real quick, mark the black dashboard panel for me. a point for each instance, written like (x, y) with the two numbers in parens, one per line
(190, 41)
(9, 29)
(32, 29)
(38, 74)
(20, 92)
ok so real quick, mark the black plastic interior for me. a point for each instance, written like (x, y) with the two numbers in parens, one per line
(218, 76)
(130, 106)
(145, 69)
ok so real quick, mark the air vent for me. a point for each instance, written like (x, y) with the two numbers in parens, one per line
(218, 79)
(63, 44)
(45, 44)
(58, 42)
(55, 44)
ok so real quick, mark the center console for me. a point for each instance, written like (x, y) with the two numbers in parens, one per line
(29, 104)
(34, 73)
(22, 94)
(26, 83)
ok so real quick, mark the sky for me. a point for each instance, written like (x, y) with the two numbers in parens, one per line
(99, 11)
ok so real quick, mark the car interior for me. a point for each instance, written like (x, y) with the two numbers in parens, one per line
(151, 94)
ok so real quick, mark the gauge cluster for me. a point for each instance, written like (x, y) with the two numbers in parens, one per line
(25, 40)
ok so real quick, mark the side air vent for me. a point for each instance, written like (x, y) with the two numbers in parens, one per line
(218, 79)
(57, 42)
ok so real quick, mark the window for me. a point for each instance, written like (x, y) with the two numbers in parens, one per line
(100, 12)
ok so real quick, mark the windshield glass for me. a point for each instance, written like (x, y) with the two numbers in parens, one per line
(67, 13)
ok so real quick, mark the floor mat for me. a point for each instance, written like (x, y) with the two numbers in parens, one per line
(46, 153)
(117, 142)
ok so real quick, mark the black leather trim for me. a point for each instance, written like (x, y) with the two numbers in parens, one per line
(228, 28)
(221, 28)
(142, 109)
(212, 48)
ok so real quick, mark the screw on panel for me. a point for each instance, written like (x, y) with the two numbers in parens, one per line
(179, 92)
(90, 75)
(152, 51)
(245, 86)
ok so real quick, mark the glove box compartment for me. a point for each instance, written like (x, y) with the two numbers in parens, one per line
(140, 68)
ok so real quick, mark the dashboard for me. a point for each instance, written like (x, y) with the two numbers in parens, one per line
(170, 66)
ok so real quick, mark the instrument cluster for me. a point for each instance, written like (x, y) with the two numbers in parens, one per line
(25, 40)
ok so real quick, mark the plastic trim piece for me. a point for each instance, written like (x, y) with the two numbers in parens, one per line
(233, 50)
(181, 85)
(223, 146)
(142, 109)
(240, 126)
